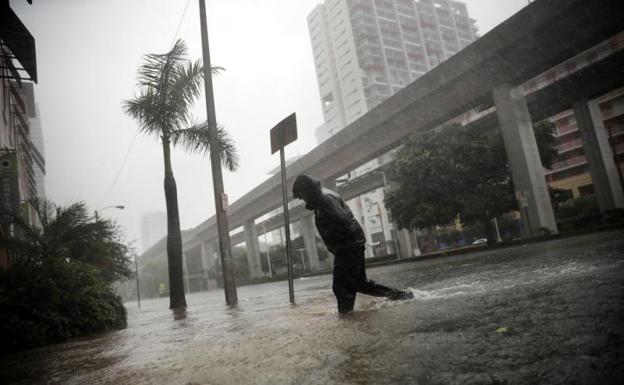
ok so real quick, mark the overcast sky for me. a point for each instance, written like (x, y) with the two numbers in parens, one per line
(87, 56)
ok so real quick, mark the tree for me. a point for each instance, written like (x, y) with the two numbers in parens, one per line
(59, 282)
(457, 171)
(168, 86)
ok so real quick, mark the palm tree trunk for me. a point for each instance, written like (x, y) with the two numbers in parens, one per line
(174, 237)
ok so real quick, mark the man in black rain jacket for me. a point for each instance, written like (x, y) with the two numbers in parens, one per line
(345, 239)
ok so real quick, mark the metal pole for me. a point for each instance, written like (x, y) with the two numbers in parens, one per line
(267, 246)
(136, 270)
(498, 237)
(225, 250)
(291, 290)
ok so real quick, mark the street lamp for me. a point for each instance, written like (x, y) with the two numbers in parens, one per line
(120, 207)
(267, 249)
(136, 270)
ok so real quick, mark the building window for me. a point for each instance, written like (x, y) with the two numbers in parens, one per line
(328, 99)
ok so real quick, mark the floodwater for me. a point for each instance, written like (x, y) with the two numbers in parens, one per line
(543, 313)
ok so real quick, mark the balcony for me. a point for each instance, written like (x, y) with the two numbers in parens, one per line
(564, 130)
(616, 130)
(566, 164)
(569, 146)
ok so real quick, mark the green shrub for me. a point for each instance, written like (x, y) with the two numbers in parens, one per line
(59, 282)
(47, 303)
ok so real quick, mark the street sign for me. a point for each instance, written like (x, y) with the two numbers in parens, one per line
(283, 133)
(224, 201)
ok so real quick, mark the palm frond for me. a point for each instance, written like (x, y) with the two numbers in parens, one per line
(197, 139)
(185, 88)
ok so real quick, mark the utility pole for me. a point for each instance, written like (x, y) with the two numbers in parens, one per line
(136, 270)
(225, 249)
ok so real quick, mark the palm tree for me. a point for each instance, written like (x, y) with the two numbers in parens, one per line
(168, 86)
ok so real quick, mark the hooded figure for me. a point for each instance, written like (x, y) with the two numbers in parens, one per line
(345, 239)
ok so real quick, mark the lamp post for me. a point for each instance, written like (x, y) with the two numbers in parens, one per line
(120, 207)
(267, 249)
(225, 249)
(136, 270)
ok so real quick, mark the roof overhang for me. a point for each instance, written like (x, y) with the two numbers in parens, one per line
(18, 45)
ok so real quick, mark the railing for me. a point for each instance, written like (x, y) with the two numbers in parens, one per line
(557, 166)
(563, 147)
(616, 130)
(562, 130)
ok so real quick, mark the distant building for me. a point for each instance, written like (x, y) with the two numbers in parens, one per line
(36, 136)
(570, 170)
(365, 51)
(17, 175)
(153, 228)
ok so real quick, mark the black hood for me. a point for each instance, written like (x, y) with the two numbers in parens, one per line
(306, 186)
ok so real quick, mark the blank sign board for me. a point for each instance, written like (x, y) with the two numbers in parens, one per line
(283, 133)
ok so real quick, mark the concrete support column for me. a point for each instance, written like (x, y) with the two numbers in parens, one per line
(527, 171)
(309, 240)
(253, 249)
(405, 245)
(207, 255)
(602, 166)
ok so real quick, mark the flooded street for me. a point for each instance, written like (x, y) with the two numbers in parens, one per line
(542, 313)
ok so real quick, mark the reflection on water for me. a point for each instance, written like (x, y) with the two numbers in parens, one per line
(265, 340)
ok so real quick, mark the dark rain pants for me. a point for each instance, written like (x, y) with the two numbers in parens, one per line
(350, 278)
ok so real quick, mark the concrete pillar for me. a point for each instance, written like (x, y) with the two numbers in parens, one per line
(405, 245)
(602, 166)
(527, 171)
(309, 240)
(253, 249)
(207, 255)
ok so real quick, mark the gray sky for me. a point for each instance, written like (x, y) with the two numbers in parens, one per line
(87, 56)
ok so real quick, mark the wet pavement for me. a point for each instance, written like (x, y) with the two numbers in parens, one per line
(544, 313)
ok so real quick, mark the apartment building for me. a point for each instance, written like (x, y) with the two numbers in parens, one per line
(570, 171)
(365, 51)
(17, 175)
(153, 228)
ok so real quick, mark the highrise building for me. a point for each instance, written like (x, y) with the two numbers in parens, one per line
(153, 228)
(365, 51)
(36, 147)
(18, 67)
(36, 137)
